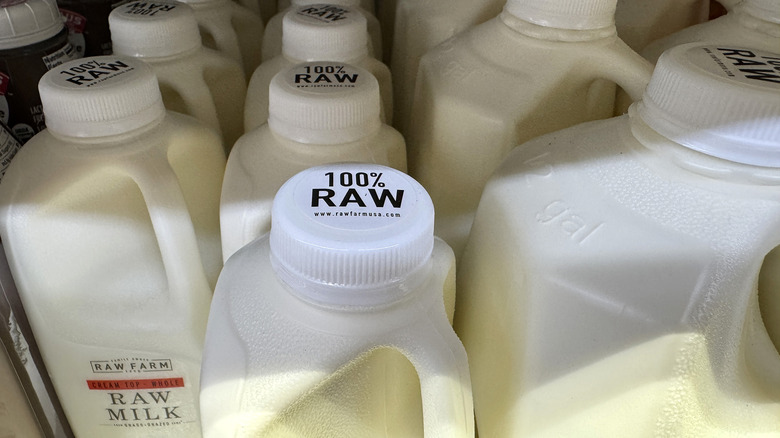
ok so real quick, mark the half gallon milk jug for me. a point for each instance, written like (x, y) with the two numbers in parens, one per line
(540, 66)
(315, 119)
(419, 26)
(752, 23)
(334, 323)
(307, 38)
(610, 286)
(640, 22)
(193, 79)
(109, 219)
(327, 12)
(33, 39)
(231, 29)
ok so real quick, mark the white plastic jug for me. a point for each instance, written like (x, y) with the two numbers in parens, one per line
(232, 29)
(331, 10)
(306, 38)
(109, 218)
(193, 79)
(540, 66)
(752, 23)
(308, 125)
(610, 286)
(640, 22)
(418, 27)
(334, 323)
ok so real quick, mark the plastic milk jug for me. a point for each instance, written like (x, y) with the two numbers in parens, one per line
(327, 12)
(334, 323)
(540, 66)
(752, 23)
(33, 39)
(193, 79)
(640, 22)
(419, 26)
(611, 287)
(232, 29)
(109, 219)
(307, 38)
(312, 121)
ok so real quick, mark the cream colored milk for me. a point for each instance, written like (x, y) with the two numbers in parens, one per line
(504, 82)
(310, 124)
(193, 79)
(109, 219)
(306, 37)
(610, 286)
(232, 29)
(418, 27)
(640, 22)
(334, 323)
(753, 23)
(272, 38)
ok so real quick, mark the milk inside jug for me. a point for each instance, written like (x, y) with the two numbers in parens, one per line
(109, 219)
(538, 67)
(334, 323)
(272, 38)
(419, 26)
(232, 29)
(640, 22)
(611, 287)
(752, 23)
(320, 112)
(306, 37)
(193, 79)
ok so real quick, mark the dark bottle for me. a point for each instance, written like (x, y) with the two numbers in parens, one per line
(87, 21)
(33, 39)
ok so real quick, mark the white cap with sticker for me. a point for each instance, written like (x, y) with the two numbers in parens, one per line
(720, 100)
(100, 96)
(349, 234)
(324, 32)
(158, 29)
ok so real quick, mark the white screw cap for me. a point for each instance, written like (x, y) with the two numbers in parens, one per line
(100, 96)
(324, 32)
(565, 14)
(27, 22)
(324, 103)
(143, 29)
(767, 10)
(351, 3)
(349, 234)
(719, 100)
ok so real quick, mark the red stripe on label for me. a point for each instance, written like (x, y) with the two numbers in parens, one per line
(118, 385)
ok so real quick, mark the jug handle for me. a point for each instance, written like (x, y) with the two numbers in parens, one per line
(224, 37)
(172, 226)
(623, 66)
(440, 360)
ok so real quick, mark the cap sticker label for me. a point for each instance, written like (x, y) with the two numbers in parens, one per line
(324, 13)
(94, 72)
(146, 8)
(323, 76)
(743, 65)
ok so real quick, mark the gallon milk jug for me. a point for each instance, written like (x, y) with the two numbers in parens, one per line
(640, 22)
(312, 121)
(193, 79)
(109, 219)
(419, 26)
(752, 23)
(610, 286)
(33, 39)
(334, 323)
(231, 29)
(540, 66)
(307, 38)
(331, 11)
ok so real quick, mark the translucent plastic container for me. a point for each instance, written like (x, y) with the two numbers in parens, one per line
(193, 79)
(538, 67)
(334, 323)
(615, 280)
(110, 221)
(309, 125)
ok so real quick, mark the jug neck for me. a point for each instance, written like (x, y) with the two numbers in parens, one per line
(553, 34)
(108, 140)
